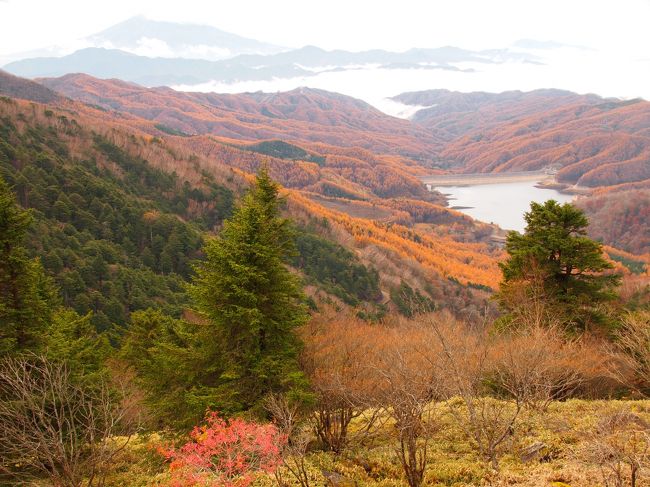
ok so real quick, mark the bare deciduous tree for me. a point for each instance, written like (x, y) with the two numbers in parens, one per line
(52, 426)
(538, 364)
(335, 359)
(291, 423)
(467, 362)
(632, 351)
(527, 301)
(407, 378)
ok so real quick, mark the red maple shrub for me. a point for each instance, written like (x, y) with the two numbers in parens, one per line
(225, 453)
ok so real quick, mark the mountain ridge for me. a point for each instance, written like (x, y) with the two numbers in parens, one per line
(305, 62)
(302, 114)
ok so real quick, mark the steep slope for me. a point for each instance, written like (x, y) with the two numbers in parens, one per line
(592, 141)
(620, 218)
(119, 234)
(454, 274)
(116, 233)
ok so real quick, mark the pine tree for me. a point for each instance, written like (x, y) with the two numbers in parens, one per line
(555, 255)
(27, 296)
(252, 301)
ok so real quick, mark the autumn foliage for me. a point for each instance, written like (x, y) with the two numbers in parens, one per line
(301, 114)
(594, 144)
(620, 218)
(225, 453)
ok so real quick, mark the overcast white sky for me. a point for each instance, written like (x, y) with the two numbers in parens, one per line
(351, 24)
(618, 31)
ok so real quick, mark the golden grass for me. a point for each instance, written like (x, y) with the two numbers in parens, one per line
(564, 429)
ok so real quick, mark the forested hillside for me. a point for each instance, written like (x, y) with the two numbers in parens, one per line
(337, 327)
(119, 235)
(441, 248)
(233, 263)
(303, 398)
(453, 114)
(620, 218)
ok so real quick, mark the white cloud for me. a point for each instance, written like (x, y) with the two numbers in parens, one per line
(149, 47)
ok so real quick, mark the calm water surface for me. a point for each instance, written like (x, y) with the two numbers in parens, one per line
(502, 203)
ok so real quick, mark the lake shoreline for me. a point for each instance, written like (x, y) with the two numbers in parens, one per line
(476, 179)
(502, 203)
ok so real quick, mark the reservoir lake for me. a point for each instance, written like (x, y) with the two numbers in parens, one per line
(500, 203)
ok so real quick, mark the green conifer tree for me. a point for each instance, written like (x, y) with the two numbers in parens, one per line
(27, 296)
(253, 303)
(564, 266)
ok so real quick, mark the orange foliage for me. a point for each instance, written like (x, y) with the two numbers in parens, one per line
(620, 219)
(301, 114)
(473, 263)
(188, 157)
(595, 144)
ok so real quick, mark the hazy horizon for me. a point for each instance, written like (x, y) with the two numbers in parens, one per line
(586, 47)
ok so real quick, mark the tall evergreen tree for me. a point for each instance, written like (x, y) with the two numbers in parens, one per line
(253, 303)
(554, 253)
(27, 296)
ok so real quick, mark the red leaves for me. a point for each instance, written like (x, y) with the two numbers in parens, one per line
(225, 453)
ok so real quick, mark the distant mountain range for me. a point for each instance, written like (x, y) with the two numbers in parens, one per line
(305, 62)
(305, 114)
(454, 114)
(595, 141)
(154, 53)
(145, 37)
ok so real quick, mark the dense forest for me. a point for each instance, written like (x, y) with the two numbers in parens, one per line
(119, 235)
(115, 240)
(448, 256)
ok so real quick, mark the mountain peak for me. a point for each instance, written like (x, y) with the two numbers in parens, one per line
(174, 39)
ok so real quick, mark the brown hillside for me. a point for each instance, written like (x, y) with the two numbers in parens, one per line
(16, 87)
(452, 114)
(300, 115)
(450, 269)
(594, 145)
